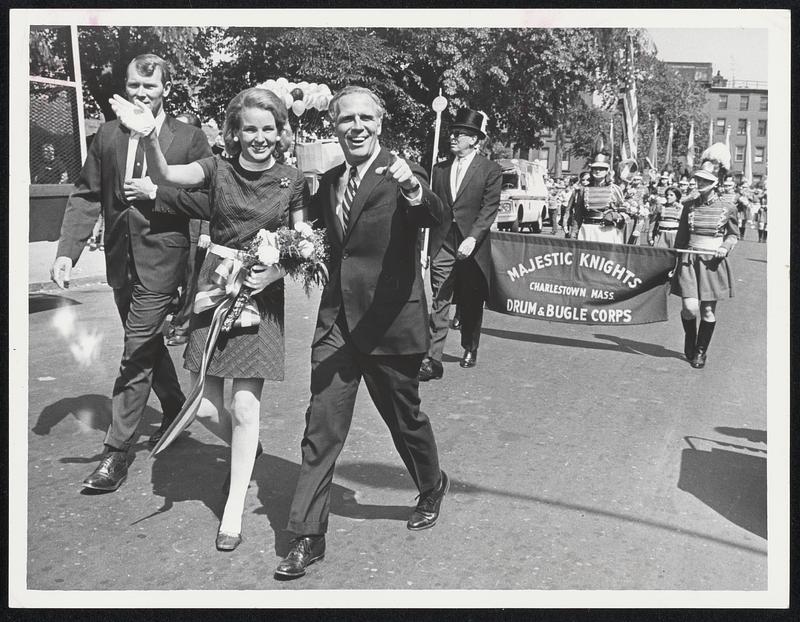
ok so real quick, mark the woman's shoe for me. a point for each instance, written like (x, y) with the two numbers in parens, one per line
(227, 541)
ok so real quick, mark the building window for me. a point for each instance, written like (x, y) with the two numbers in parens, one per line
(762, 127)
(741, 129)
(744, 102)
(544, 154)
(758, 157)
(757, 179)
(565, 165)
(721, 126)
(723, 102)
(739, 157)
(763, 104)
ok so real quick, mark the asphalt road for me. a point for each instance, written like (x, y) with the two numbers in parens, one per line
(581, 458)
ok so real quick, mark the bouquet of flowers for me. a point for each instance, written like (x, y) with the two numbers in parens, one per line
(300, 252)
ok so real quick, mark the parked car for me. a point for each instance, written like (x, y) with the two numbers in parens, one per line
(523, 196)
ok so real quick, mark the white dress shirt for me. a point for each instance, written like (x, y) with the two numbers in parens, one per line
(133, 143)
(464, 163)
(362, 169)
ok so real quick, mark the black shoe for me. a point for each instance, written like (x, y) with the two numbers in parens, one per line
(470, 359)
(178, 337)
(304, 552)
(699, 359)
(228, 541)
(110, 473)
(427, 511)
(455, 323)
(431, 369)
(166, 421)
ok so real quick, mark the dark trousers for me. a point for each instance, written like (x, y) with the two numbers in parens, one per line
(145, 362)
(463, 278)
(336, 372)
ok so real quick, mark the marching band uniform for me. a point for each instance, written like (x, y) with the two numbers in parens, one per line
(599, 212)
(665, 222)
(709, 222)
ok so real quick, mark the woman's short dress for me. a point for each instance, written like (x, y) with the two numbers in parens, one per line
(705, 226)
(240, 203)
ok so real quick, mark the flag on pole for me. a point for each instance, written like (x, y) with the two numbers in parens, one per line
(668, 156)
(728, 136)
(711, 132)
(652, 159)
(623, 154)
(748, 156)
(690, 147)
(630, 104)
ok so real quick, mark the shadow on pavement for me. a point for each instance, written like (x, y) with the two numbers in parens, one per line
(732, 482)
(189, 471)
(757, 260)
(48, 302)
(620, 345)
(641, 347)
(386, 475)
(92, 409)
(277, 479)
(754, 436)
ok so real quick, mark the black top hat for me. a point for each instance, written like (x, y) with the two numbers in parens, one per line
(472, 120)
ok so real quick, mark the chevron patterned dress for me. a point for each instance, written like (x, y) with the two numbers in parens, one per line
(242, 202)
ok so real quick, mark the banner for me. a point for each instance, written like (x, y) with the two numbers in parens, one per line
(561, 280)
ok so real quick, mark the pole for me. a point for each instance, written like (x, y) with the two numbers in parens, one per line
(438, 105)
(76, 68)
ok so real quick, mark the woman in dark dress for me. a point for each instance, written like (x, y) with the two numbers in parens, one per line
(709, 224)
(248, 191)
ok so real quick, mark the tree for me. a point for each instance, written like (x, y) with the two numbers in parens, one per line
(106, 51)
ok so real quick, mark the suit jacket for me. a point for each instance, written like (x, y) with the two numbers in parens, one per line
(157, 233)
(473, 209)
(375, 275)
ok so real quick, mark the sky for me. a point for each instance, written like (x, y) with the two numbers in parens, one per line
(738, 53)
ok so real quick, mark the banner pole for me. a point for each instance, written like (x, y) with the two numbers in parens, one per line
(438, 105)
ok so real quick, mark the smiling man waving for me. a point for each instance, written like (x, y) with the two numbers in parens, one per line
(372, 322)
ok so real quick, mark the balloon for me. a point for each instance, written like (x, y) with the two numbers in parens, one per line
(299, 107)
(324, 88)
(288, 100)
(270, 84)
(282, 82)
(296, 93)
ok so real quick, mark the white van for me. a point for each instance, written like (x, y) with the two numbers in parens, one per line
(523, 196)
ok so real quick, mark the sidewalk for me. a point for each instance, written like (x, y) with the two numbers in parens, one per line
(90, 269)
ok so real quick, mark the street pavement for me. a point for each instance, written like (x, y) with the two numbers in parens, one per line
(581, 458)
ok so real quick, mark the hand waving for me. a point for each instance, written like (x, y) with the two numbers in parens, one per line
(136, 116)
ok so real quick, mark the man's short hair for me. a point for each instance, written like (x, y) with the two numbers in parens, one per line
(146, 65)
(333, 106)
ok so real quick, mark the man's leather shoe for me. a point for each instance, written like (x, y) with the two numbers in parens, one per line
(455, 323)
(166, 421)
(110, 473)
(431, 369)
(470, 358)
(304, 552)
(699, 360)
(427, 511)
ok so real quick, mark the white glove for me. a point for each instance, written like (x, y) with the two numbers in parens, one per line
(203, 241)
(136, 116)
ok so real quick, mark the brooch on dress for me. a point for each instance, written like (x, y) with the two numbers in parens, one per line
(285, 182)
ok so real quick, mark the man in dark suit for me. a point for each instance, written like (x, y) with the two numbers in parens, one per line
(371, 322)
(146, 247)
(460, 250)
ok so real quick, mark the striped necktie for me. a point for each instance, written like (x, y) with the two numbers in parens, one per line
(349, 195)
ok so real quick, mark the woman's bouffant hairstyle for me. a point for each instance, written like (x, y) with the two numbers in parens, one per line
(256, 98)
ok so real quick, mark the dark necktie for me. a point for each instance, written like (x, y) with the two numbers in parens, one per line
(349, 195)
(138, 161)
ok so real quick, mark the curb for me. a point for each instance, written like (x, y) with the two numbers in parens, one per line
(46, 286)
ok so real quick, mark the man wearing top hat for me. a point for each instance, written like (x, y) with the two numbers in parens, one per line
(599, 212)
(460, 250)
